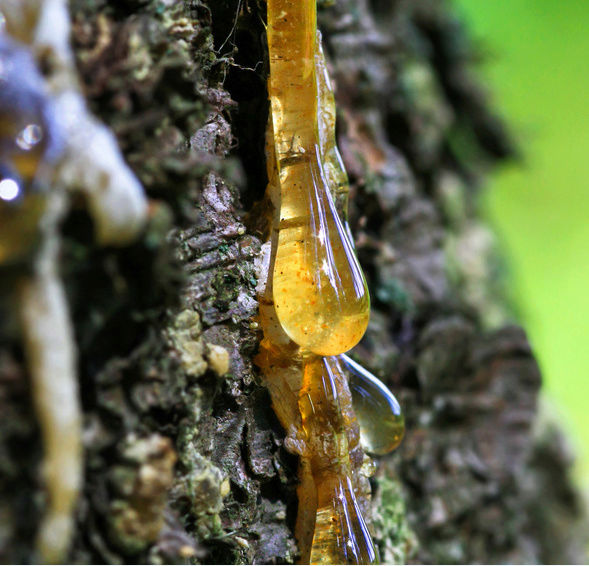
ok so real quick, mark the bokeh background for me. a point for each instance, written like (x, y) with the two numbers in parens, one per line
(537, 69)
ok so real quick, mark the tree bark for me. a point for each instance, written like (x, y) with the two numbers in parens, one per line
(184, 460)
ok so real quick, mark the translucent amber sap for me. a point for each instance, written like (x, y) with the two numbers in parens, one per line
(318, 289)
(379, 415)
(315, 305)
(333, 166)
(314, 404)
(330, 434)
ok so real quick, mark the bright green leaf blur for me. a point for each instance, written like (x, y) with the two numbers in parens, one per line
(538, 72)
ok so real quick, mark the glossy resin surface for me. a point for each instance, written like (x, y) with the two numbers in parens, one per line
(315, 304)
(318, 288)
(382, 424)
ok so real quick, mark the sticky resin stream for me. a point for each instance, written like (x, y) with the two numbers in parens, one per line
(315, 305)
(318, 288)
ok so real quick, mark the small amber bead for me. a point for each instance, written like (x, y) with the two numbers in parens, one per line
(379, 415)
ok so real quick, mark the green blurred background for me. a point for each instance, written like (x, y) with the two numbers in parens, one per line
(537, 71)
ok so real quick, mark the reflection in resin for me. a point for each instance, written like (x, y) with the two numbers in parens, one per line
(329, 433)
(9, 190)
(341, 535)
(379, 415)
(333, 165)
(26, 141)
(318, 288)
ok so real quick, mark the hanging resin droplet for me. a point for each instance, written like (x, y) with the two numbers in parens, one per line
(319, 291)
(341, 535)
(382, 424)
(318, 288)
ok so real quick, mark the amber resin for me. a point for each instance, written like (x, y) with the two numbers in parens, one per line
(315, 303)
(319, 292)
(330, 434)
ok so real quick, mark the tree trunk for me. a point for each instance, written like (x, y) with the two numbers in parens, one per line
(184, 458)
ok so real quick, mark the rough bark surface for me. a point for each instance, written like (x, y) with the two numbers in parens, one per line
(184, 457)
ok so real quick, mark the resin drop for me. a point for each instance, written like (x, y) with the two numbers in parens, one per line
(319, 291)
(379, 415)
(318, 288)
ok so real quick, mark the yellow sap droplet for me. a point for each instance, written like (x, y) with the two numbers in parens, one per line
(24, 144)
(379, 414)
(21, 206)
(319, 291)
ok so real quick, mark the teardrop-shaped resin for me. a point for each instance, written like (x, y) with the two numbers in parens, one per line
(318, 288)
(340, 533)
(319, 291)
(382, 424)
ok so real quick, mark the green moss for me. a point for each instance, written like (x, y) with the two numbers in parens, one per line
(397, 542)
(227, 286)
(141, 484)
(393, 293)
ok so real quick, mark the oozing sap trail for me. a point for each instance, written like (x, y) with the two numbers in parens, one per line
(331, 447)
(312, 400)
(319, 292)
(316, 302)
(315, 305)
